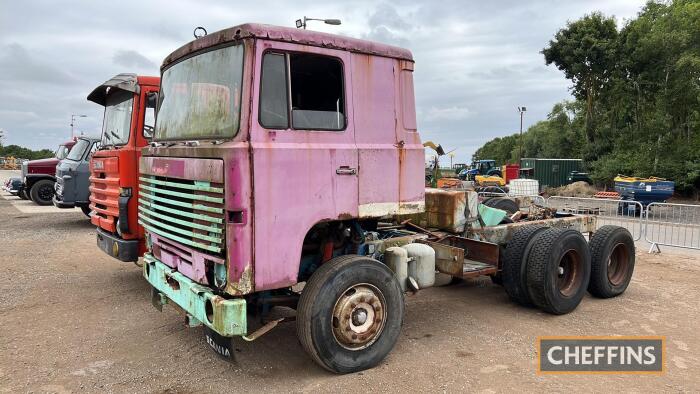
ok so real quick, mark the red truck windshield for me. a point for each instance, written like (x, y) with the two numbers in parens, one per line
(200, 96)
(117, 119)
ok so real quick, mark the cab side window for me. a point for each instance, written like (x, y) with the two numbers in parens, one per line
(306, 88)
(149, 117)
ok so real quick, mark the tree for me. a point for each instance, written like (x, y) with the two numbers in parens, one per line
(636, 107)
(586, 51)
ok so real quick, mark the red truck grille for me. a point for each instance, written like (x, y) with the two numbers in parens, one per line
(104, 192)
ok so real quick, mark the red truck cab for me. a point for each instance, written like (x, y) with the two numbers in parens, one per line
(129, 118)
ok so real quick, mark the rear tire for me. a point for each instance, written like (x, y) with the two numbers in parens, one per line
(558, 270)
(42, 192)
(515, 263)
(612, 261)
(350, 314)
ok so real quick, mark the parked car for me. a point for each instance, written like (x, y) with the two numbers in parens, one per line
(72, 187)
(13, 186)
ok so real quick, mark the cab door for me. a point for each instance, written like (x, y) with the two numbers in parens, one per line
(305, 166)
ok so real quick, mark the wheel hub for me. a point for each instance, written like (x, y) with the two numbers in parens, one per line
(358, 316)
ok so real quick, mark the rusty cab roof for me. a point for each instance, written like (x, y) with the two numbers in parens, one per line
(126, 82)
(287, 34)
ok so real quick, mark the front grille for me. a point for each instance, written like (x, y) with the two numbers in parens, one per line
(187, 211)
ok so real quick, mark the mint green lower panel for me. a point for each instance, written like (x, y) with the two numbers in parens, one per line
(226, 317)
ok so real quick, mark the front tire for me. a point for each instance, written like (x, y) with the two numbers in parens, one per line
(612, 261)
(86, 210)
(350, 314)
(42, 192)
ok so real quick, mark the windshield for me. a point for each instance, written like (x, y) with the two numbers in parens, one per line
(200, 97)
(117, 119)
(62, 152)
(78, 150)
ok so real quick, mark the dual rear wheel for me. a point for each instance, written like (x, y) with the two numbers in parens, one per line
(553, 268)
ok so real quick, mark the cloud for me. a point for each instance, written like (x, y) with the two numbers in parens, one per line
(132, 59)
(19, 65)
(447, 113)
(475, 61)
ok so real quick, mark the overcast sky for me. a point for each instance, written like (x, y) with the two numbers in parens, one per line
(476, 61)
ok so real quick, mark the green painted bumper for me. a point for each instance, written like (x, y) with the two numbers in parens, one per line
(225, 316)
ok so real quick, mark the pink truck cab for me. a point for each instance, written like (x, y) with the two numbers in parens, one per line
(275, 149)
(286, 170)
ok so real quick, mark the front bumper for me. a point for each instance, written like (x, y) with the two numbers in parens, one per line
(62, 204)
(121, 249)
(14, 192)
(225, 316)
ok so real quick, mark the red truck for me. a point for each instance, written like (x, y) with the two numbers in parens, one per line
(129, 117)
(286, 169)
(39, 176)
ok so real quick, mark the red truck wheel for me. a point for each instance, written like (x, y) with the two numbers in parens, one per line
(350, 314)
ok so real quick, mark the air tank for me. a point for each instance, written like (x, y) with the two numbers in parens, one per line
(396, 258)
(421, 264)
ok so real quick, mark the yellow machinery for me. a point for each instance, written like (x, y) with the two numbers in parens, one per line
(489, 180)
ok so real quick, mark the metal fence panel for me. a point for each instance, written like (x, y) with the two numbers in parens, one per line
(627, 214)
(675, 225)
(523, 200)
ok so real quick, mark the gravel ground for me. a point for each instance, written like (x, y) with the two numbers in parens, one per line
(72, 319)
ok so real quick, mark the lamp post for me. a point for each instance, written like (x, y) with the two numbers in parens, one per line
(72, 123)
(522, 112)
(301, 23)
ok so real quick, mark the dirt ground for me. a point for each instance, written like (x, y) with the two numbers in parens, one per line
(75, 320)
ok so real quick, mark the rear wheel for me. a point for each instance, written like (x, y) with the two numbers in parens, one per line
(42, 192)
(558, 270)
(350, 314)
(612, 261)
(515, 263)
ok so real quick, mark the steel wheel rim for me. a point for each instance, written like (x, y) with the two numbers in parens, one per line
(46, 192)
(359, 316)
(569, 273)
(618, 264)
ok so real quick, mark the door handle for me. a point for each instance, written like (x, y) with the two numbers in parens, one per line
(345, 170)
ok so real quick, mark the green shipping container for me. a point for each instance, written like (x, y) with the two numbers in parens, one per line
(549, 172)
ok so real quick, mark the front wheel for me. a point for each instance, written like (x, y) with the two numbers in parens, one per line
(350, 314)
(42, 192)
(86, 210)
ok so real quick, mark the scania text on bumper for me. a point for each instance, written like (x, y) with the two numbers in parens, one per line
(227, 317)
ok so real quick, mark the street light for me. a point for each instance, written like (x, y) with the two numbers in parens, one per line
(522, 112)
(301, 23)
(72, 122)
